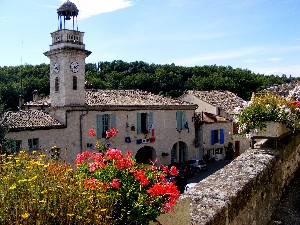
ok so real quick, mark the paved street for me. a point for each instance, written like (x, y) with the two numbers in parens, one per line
(211, 168)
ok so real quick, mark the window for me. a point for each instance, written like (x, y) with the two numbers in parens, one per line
(182, 122)
(17, 145)
(33, 144)
(144, 122)
(217, 136)
(219, 151)
(104, 123)
(56, 84)
(74, 83)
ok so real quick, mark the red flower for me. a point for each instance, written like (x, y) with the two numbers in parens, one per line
(115, 183)
(91, 183)
(164, 168)
(173, 171)
(141, 176)
(92, 132)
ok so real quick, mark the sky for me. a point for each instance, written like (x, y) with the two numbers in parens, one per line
(259, 35)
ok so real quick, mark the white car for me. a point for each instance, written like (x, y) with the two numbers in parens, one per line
(197, 164)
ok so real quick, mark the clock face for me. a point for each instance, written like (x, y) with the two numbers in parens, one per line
(56, 68)
(74, 67)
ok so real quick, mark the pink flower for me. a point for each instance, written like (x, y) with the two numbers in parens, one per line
(112, 133)
(115, 183)
(93, 166)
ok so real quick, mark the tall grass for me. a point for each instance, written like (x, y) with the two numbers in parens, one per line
(36, 190)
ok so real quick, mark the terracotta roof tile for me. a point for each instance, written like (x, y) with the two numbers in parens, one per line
(120, 98)
(206, 117)
(33, 119)
(226, 100)
(128, 98)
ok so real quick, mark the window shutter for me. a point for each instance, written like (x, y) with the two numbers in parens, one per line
(179, 120)
(113, 121)
(222, 136)
(212, 137)
(139, 124)
(150, 119)
(183, 120)
(99, 126)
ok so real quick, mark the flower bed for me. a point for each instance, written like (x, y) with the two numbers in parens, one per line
(105, 187)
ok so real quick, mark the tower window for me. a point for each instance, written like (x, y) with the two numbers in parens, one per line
(56, 84)
(74, 83)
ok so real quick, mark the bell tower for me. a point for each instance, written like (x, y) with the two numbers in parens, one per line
(67, 60)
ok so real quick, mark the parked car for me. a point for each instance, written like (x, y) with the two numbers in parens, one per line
(197, 164)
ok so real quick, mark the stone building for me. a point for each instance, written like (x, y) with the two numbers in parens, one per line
(152, 126)
(219, 104)
(213, 135)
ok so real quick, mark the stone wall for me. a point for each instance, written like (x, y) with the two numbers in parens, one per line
(246, 191)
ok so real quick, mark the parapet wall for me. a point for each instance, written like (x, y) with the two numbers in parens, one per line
(245, 192)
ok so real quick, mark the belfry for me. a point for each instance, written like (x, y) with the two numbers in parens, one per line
(67, 60)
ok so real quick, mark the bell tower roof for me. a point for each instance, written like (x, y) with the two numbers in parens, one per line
(67, 11)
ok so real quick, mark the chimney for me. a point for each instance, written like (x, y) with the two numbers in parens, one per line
(21, 102)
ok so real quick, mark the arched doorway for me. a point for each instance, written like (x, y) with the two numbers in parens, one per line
(145, 155)
(179, 152)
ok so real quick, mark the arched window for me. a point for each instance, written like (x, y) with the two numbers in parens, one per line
(74, 83)
(56, 84)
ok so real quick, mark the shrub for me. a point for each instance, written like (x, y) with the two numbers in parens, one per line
(265, 108)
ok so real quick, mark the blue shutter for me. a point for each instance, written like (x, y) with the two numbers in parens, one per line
(222, 136)
(179, 120)
(99, 126)
(212, 137)
(150, 120)
(113, 121)
(183, 121)
(139, 125)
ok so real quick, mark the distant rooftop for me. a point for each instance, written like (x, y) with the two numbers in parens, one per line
(225, 100)
(205, 117)
(119, 98)
(29, 119)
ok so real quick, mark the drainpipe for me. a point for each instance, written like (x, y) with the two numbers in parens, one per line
(80, 129)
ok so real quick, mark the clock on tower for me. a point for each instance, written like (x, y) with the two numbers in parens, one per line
(67, 60)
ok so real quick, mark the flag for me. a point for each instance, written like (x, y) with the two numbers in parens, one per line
(186, 126)
(151, 130)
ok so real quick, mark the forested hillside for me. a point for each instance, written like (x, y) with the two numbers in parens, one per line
(168, 80)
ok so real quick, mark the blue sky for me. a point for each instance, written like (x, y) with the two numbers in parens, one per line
(260, 35)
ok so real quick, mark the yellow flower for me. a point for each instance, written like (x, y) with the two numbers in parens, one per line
(102, 210)
(33, 178)
(25, 215)
(79, 217)
(42, 201)
(52, 214)
(20, 181)
(12, 187)
(70, 214)
(84, 193)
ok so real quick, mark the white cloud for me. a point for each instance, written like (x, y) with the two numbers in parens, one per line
(275, 59)
(88, 8)
(293, 70)
(220, 56)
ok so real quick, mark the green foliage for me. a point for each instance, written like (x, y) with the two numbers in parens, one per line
(169, 80)
(267, 108)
